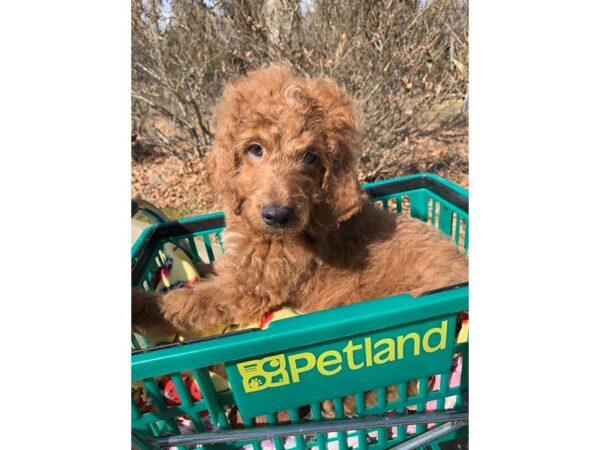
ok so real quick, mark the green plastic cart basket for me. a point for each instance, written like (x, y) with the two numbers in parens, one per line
(279, 377)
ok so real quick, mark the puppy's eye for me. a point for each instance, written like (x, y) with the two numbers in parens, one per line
(255, 150)
(309, 158)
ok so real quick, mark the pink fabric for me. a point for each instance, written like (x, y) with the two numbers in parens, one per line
(449, 403)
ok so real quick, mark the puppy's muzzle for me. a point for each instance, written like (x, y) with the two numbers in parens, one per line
(277, 215)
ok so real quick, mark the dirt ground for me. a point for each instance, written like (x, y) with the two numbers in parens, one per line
(179, 184)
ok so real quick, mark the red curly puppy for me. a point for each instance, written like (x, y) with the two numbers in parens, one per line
(300, 231)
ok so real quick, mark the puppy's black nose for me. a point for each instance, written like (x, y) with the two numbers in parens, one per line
(277, 216)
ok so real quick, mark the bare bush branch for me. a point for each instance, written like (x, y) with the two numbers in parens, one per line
(405, 62)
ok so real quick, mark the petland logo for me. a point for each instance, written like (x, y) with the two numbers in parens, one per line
(280, 370)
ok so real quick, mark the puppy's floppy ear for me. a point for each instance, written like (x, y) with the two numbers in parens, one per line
(341, 189)
(222, 168)
(222, 160)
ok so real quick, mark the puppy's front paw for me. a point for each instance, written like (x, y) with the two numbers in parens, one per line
(188, 308)
(177, 309)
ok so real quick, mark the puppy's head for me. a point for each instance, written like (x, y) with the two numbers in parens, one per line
(284, 154)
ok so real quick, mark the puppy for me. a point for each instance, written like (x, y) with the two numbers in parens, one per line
(300, 230)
